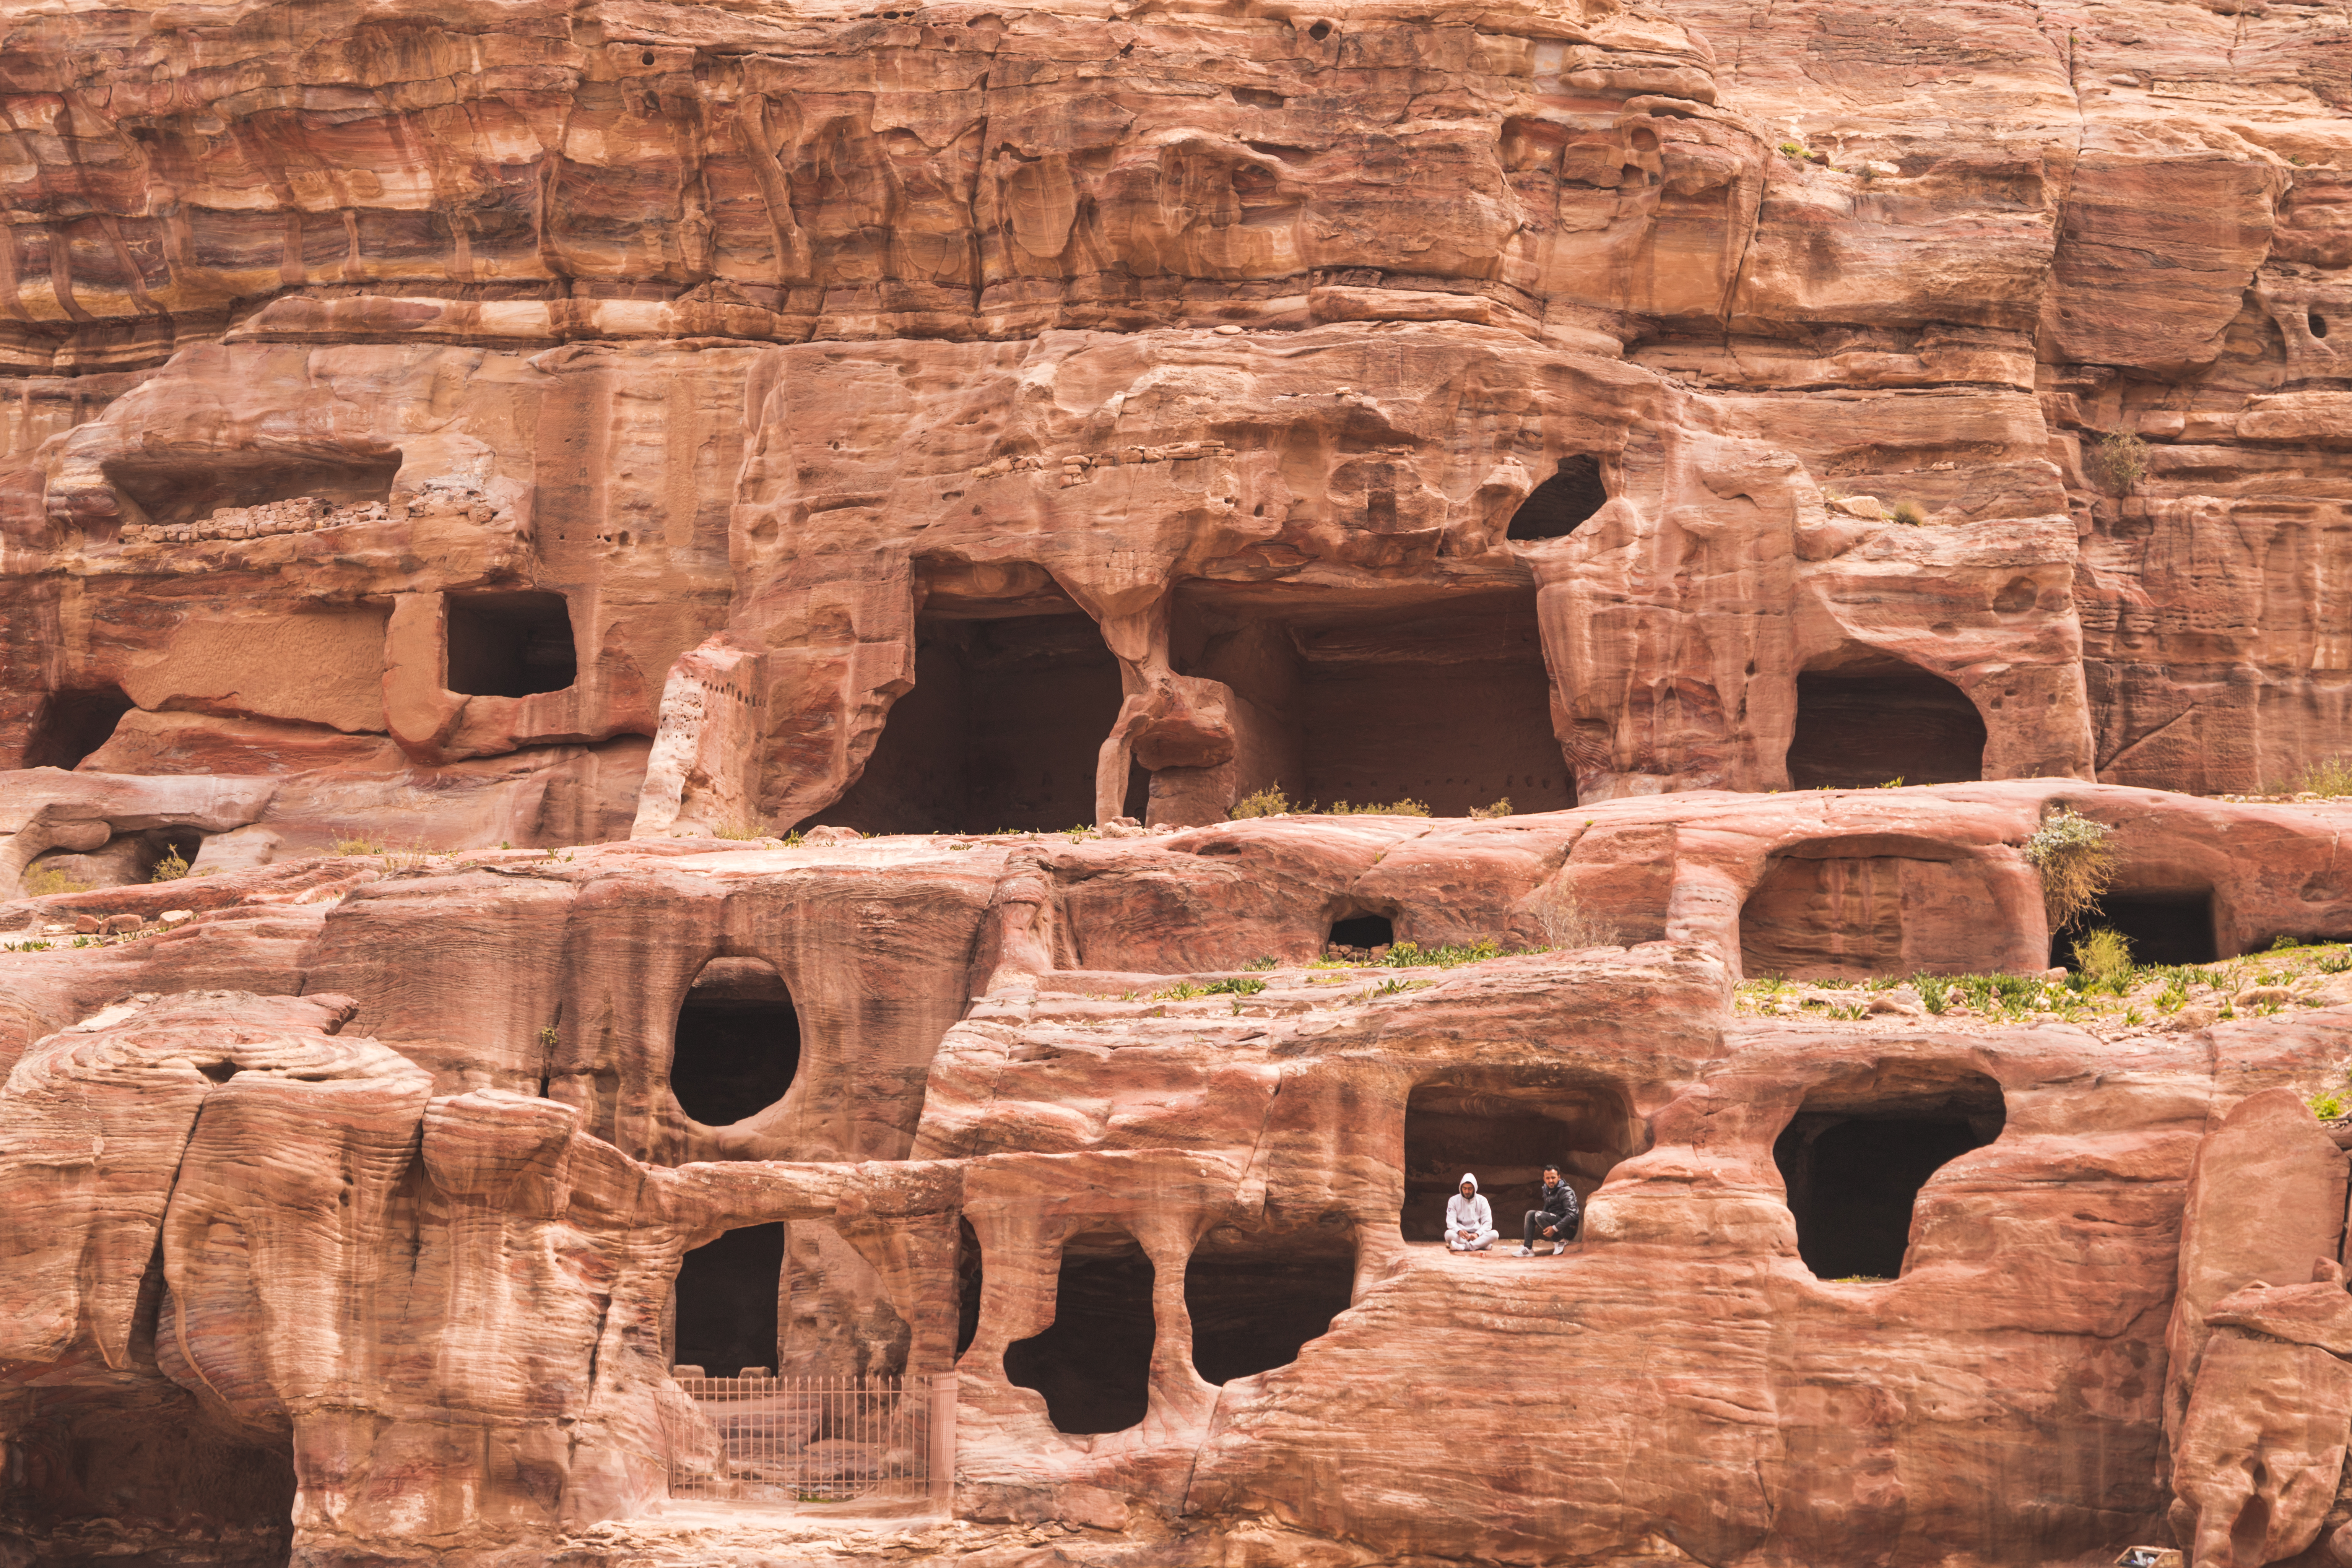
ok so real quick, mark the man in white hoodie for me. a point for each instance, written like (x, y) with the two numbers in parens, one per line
(1469, 1223)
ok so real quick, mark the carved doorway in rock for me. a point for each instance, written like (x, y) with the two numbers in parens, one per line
(737, 1046)
(1856, 1157)
(1373, 698)
(1015, 694)
(2163, 927)
(726, 1307)
(1256, 1295)
(1503, 1125)
(1862, 725)
(1093, 1362)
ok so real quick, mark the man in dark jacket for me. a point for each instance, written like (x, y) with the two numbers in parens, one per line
(1555, 1221)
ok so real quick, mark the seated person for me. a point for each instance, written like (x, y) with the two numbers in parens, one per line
(1555, 1221)
(1469, 1223)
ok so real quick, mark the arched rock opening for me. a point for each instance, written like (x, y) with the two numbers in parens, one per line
(1563, 502)
(508, 645)
(1503, 1125)
(1093, 1362)
(1854, 1159)
(727, 1302)
(1001, 729)
(1258, 1296)
(736, 1045)
(1857, 728)
(1361, 932)
(971, 1285)
(73, 724)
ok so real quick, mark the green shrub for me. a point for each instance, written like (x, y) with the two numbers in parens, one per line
(2076, 862)
(1393, 808)
(2330, 778)
(2327, 1104)
(359, 846)
(1488, 813)
(171, 867)
(1267, 802)
(1233, 988)
(43, 883)
(1268, 961)
(2103, 955)
(2120, 462)
(1910, 512)
(1407, 955)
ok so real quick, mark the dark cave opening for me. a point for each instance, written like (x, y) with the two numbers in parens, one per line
(736, 1045)
(971, 1282)
(2163, 928)
(1001, 729)
(1256, 1298)
(1362, 932)
(73, 724)
(1093, 1362)
(1503, 1125)
(728, 1301)
(1857, 731)
(1562, 503)
(1853, 1168)
(509, 644)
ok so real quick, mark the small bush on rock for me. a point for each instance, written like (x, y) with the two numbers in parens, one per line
(1909, 513)
(1267, 802)
(46, 884)
(1488, 813)
(2103, 955)
(2077, 863)
(171, 867)
(2120, 462)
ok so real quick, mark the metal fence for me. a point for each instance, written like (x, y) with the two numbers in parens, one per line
(823, 1439)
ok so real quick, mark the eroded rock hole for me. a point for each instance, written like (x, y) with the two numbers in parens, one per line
(2163, 928)
(73, 724)
(1857, 731)
(2318, 324)
(1362, 932)
(1092, 1363)
(738, 1042)
(970, 1282)
(1319, 31)
(1559, 505)
(727, 1300)
(1002, 730)
(509, 644)
(1854, 1165)
(1256, 1298)
(1503, 1125)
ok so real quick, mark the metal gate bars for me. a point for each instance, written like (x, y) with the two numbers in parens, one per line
(823, 1440)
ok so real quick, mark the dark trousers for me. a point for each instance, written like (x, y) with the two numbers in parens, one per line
(1537, 1219)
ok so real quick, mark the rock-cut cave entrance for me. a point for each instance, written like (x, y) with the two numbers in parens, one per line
(1503, 1125)
(1258, 1296)
(73, 724)
(728, 1298)
(1855, 1160)
(1859, 728)
(509, 644)
(1369, 699)
(1093, 1362)
(1001, 728)
(736, 1045)
(2162, 927)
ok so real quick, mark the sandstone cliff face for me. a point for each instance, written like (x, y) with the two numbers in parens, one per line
(1003, 442)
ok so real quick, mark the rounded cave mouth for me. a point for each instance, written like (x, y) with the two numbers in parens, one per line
(1854, 1160)
(1093, 1362)
(2162, 928)
(1867, 729)
(1563, 502)
(1363, 933)
(736, 1048)
(1503, 1125)
(73, 724)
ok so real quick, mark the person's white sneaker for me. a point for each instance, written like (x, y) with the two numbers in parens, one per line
(1557, 1248)
(1527, 1252)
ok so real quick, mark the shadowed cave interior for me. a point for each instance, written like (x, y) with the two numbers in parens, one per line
(738, 1042)
(729, 1295)
(1563, 502)
(1504, 1127)
(74, 724)
(1093, 1362)
(1858, 729)
(1001, 730)
(509, 644)
(2163, 928)
(1854, 1160)
(1257, 1296)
